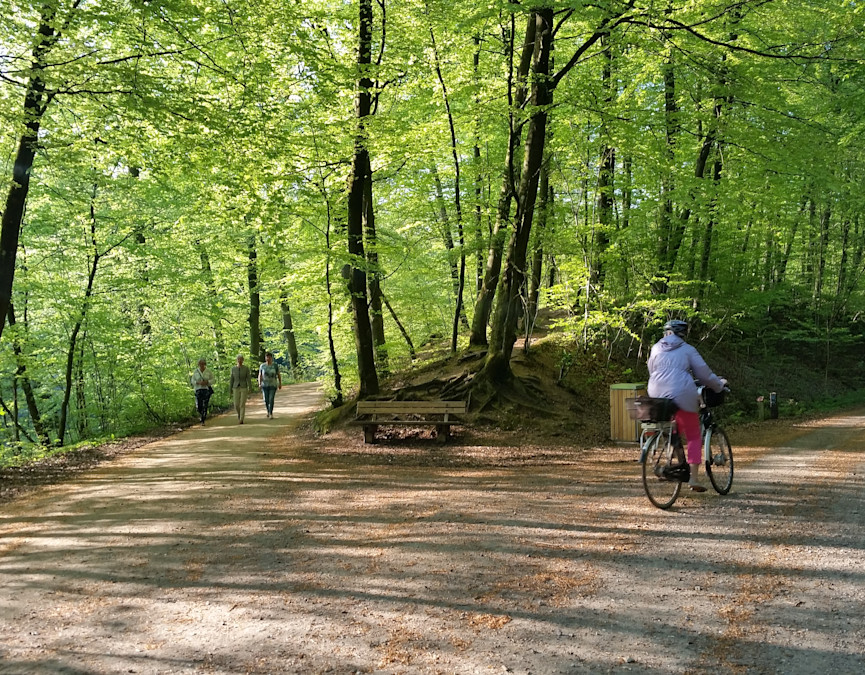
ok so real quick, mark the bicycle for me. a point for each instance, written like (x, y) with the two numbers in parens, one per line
(717, 452)
(664, 466)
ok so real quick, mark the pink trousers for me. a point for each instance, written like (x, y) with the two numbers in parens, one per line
(689, 427)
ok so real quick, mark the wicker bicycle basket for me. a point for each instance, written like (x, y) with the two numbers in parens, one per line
(647, 409)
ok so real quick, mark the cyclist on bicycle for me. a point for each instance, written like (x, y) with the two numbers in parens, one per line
(673, 365)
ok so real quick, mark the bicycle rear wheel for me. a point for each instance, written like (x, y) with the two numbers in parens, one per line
(661, 491)
(719, 466)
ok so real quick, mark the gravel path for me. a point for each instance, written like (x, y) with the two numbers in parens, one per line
(256, 549)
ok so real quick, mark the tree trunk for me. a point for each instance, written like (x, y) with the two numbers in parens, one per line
(486, 295)
(288, 334)
(402, 330)
(215, 312)
(481, 241)
(850, 266)
(334, 362)
(83, 425)
(256, 348)
(545, 205)
(79, 322)
(360, 174)
(606, 170)
(459, 311)
(447, 238)
(489, 285)
(708, 233)
(821, 252)
(36, 101)
(12, 417)
(671, 231)
(22, 379)
(627, 201)
(374, 277)
(781, 269)
(503, 330)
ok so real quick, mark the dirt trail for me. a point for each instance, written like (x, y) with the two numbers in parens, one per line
(256, 549)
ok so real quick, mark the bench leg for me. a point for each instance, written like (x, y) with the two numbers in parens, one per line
(443, 432)
(369, 433)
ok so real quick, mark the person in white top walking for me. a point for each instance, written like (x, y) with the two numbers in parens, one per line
(202, 380)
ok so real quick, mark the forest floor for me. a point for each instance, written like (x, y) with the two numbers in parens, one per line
(265, 548)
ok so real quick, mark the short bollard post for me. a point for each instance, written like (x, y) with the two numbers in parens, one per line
(761, 413)
(773, 405)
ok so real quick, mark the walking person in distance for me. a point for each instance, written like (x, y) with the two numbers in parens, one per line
(239, 385)
(269, 379)
(201, 382)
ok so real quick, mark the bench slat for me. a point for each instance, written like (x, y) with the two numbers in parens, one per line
(410, 407)
(408, 423)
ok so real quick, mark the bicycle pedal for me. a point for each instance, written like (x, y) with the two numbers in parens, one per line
(681, 473)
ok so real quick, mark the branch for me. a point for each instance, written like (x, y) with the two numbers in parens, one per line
(379, 87)
(608, 24)
(673, 25)
(16, 422)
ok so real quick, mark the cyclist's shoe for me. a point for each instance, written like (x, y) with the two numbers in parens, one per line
(679, 472)
(696, 487)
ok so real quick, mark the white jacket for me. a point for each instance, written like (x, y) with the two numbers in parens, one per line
(673, 365)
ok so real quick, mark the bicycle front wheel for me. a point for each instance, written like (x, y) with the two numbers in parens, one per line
(660, 490)
(719, 465)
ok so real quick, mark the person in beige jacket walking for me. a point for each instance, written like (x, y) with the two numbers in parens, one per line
(240, 378)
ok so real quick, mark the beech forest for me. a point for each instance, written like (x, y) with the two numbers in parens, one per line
(345, 182)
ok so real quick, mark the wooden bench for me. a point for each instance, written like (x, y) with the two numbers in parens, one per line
(387, 413)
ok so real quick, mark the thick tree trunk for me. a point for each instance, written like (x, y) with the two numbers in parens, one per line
(503, 330)
(360, 174)
(256, 348)
(489, 285)
(36, 101)
(288, 333)
(374, 277)
(486, 295)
